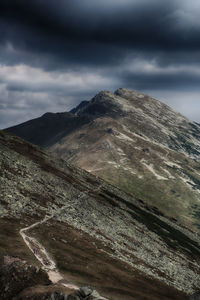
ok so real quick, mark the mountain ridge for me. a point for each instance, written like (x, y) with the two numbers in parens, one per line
(137, 143)
(106, 102)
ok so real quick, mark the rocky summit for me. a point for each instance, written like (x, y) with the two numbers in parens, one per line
(132, 141)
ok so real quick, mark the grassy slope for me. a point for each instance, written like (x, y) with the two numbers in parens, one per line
(97, 151)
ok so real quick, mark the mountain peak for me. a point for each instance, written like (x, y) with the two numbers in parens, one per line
(103, 103)
(122, 92)
(103, 95)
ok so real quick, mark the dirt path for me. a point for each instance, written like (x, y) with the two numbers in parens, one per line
(43, 256)
(45, 259)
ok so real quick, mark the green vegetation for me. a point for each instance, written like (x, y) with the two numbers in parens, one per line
(172, 197)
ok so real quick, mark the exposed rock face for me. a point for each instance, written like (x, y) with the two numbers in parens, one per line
(85, 293)
(37, 293)
(20, 281)
(96, 234)
(132, 141)
(16, 274)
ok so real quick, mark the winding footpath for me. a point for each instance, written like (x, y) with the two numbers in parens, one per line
(43, 256)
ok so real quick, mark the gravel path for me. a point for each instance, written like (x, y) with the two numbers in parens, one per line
(43, 256)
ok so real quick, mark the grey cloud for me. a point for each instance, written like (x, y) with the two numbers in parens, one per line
(180, 80)
(27, 92)
(89, 38)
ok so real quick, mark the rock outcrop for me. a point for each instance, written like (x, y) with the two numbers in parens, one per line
(20, 280)
(16, 274)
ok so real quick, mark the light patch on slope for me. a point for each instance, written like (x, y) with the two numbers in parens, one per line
(196, 172)
(168, 162)
(168, 173)
(141, 137)
(119, 166)
(172, 164)
(129, 169)
(154, 106)
(120, 152)
(108, 144)
(144, 138)
(152, 116)
(188, 182)
(126, 129)
(124, 137)
(150, 167)
(138, 148)
(186, 179)
(93, 170)
(194, 140)
(123, 160)
(116, 165)
(125, 104)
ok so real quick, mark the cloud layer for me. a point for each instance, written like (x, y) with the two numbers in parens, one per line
(55, 54)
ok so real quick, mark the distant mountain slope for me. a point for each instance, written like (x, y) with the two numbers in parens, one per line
(136, 143)
(79, 107)
(153, 119)
(97, 234)
(48, 129)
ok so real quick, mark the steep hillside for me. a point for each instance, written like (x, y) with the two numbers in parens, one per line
(134, 142)
(96, 234)
(48, 129)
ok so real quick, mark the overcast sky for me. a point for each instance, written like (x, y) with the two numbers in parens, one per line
(56, 53)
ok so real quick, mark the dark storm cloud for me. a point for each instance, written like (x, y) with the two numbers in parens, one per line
(159, 81)
(79, 32)
(53, 54)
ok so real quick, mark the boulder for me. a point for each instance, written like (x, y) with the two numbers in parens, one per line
(17, 274)
(195, 296)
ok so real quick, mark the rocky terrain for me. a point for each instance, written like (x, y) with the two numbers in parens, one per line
(96, 234)
(132, 141)
(19, 280)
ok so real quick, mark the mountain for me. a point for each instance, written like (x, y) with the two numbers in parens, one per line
(48, 129)
(132, 141)
(84, 232)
